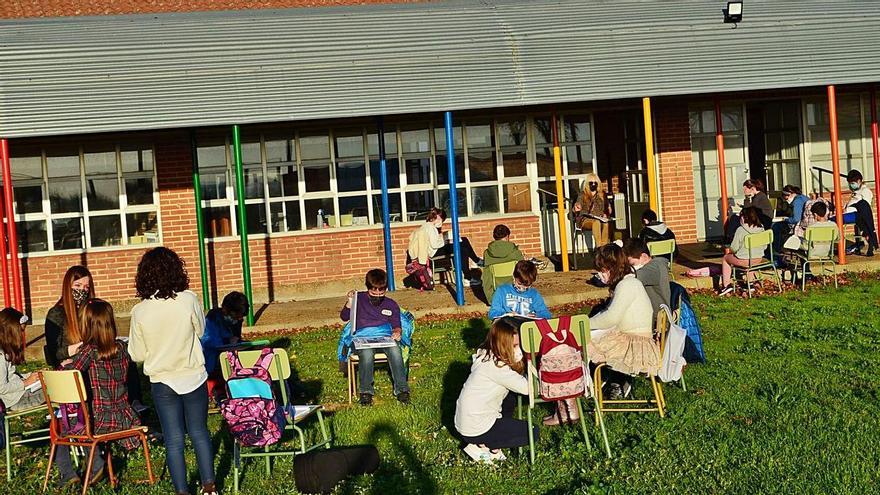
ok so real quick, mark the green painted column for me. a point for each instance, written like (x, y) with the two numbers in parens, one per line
(200, 223)
(242, 222)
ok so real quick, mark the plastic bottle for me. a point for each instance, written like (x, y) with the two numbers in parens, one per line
(320, 218)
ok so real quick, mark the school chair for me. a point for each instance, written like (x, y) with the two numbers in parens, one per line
(22, 437)
(818, 237)
(530, 341)
(502, 273)
(658, 403)
(663, 248)
(279, 371)
(63, 388)
(758, 241)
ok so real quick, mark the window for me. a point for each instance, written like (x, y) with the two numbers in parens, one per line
(853, 139)
(95, 196)
(577, 152)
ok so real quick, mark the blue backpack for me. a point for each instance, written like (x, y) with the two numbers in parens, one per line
(693, 345)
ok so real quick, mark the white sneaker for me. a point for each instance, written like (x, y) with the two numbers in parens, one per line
(497, 456)
(478, 453)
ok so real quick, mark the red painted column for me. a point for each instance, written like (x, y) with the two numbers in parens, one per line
(12, 235)
(7, 295)
(876, 153)
(835, 166)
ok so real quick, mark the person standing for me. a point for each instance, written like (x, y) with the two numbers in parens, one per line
(166, 327)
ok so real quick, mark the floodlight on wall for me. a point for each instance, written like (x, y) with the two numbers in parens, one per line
(733, 13)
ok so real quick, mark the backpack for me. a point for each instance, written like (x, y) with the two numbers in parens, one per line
(673, 363)
(419, 276)
(693, 345)
(253, 416)
(561, 372)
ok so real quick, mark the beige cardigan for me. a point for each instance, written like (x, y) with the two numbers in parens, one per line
(629, 311)
(424, 242)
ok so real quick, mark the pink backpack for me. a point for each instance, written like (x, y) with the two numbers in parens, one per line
(253, 416)
(561, 373)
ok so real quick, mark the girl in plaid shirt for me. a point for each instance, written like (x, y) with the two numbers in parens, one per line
(105, 362)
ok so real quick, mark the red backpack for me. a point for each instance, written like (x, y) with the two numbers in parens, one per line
(561, 372)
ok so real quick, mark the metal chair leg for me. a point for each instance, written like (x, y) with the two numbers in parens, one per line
(48, 467)
(583, 423)
(531, 438)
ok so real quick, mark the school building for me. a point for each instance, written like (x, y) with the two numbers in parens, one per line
(109, 110)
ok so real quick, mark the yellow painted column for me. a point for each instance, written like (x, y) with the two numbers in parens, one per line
(649, 152)
(560, 197)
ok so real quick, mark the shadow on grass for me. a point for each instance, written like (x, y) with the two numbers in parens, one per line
(453, 381)
(475, 332)
(406, 476)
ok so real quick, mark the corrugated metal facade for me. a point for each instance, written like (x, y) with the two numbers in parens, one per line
(76, 75)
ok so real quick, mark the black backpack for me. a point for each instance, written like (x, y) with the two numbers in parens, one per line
(319, 471)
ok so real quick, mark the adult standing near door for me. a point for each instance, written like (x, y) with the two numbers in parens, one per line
(593, 210)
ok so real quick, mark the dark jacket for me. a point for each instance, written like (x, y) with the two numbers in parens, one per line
(497, 252)
(656, 231)
(55, 349)
(765, 210)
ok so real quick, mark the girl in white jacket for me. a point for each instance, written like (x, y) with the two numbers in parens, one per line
(484, 410)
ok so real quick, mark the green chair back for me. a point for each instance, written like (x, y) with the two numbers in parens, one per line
(501, 273)
(759, 240)
(658, 248)
(530, 336)
(63, 387)
(821, 235)
(279, 368)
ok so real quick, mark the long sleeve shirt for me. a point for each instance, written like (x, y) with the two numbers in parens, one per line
(387, 312)
(629, 311)
(508, 300)
(424, 242)
(11, 383)
(797, 210)
(479, 403)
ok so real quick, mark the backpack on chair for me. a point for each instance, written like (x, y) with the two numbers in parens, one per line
(561, 372)
(253, 416)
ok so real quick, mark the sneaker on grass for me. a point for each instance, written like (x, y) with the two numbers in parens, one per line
(727, 290)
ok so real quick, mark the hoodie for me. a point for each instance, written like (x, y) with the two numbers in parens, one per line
(738, 244)
(497, 252)
(508, 300)
(656, 231)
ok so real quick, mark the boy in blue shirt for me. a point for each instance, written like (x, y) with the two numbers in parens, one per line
(519, 298)
(222, 327)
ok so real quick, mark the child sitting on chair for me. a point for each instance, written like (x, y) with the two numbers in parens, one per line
(222, 327)
(520, 298)
(484, 410)
(17, 390)
(376, 316)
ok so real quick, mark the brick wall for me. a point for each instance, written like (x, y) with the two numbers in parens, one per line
(676, 173)
(11, 9)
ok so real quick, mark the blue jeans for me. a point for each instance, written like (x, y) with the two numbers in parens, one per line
(395, 362)
(180, 414)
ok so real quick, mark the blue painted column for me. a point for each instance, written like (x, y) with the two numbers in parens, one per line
(386, 212)
(453, 210)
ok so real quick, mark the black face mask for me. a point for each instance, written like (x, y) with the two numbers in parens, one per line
(376, 300)
(594, 187)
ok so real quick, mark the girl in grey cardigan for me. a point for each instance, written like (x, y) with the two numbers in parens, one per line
(13, 385)
(740, 254)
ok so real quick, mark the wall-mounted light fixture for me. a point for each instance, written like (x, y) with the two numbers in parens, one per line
(733, 13)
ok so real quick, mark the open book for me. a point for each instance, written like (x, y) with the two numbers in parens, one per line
(366, 342)
(601, 219)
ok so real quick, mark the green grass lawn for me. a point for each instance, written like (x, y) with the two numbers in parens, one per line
(786, 404)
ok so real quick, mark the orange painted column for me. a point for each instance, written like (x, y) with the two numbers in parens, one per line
(835, 167)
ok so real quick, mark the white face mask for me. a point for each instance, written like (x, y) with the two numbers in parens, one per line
(517, 354)
(790, 199)
(603, 276)
(637, 266)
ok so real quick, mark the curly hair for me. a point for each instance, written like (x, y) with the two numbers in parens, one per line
(161, 274)
(611, 257)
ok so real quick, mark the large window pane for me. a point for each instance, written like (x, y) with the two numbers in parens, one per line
(440, 138)
(484, 200)
(517, 198)
(139, 191)
(211, 155)
(143, 228)
(418, 203)
(137, 160)
(65, 195)
(250, 153)
(445, 202)
(351, 176)
(480, 136)
(317, 176)
(543, 131)
(294, 222)
(314, 147)
(514, 162)
(253, 183)
(511, 133)
(213, 184)
(580, 159)
(256, 218)
(218, 222)
(100, 161)
(415, 140)
(285, 216)
(577, 129)
(62, 163)
(283, 181)
(392, 167)
(29, 166)
(394, 207)
(280, 151)
(418, 170)
(319, 213)
(67, 233)
(390, 143)
(105, 230)
(349, 144)
(482, 165)
(32, 237)
(443, 169)
(353, 211)
(546, 164)
(103, 194)
(28, 199)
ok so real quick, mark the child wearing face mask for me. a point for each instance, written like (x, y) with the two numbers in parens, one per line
(63, 334)
(377, 316)
(791, 194)
(519, 298)
(222, 327)
(652, 272)
(860, 203)
(485, 406)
